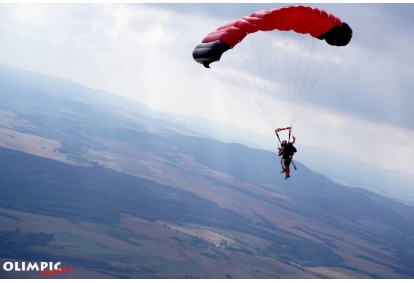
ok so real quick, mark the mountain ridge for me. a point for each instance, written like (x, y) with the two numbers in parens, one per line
(324, 161)
(133, 186)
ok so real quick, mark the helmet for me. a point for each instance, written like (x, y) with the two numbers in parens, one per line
(284, 142)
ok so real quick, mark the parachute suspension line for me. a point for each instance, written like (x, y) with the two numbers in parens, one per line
(297, 92)
(261, 94)
(237, 82)
(259, 88)
(295, 76)
(259, 78)
(274, 64)
(301, 97)
(326, 61)
(296, 82)
(289, 70)
(289, 94)
(271, 61)
(314, 73)
(275, 67)
(306, 64)
(241, 78)
(263, 56)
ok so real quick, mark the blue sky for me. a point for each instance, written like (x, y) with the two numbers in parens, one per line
(143, 51)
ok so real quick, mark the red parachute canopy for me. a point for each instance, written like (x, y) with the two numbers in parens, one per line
(275, 59)
(301, 19)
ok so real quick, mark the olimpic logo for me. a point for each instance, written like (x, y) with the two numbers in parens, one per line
(46, 268)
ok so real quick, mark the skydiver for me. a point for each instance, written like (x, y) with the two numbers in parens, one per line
(286, 150)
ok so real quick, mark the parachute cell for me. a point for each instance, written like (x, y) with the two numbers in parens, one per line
(301, 19)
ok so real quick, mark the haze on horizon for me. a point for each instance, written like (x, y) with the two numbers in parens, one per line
(143, 51)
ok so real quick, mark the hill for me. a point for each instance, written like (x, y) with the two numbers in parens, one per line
(118, 192)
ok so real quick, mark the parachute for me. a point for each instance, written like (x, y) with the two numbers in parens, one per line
(275, 60)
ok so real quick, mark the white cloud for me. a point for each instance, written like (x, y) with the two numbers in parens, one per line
(144, 52)
(384, 145)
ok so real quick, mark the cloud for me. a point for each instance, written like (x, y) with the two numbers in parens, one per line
(382, 68)
(144, 51)
(381, 144)
(376, 76)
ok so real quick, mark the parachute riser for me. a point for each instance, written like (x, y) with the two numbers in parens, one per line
(278, 137)
(290, 132)
(282, 129)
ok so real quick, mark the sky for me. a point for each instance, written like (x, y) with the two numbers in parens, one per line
(144, 51)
